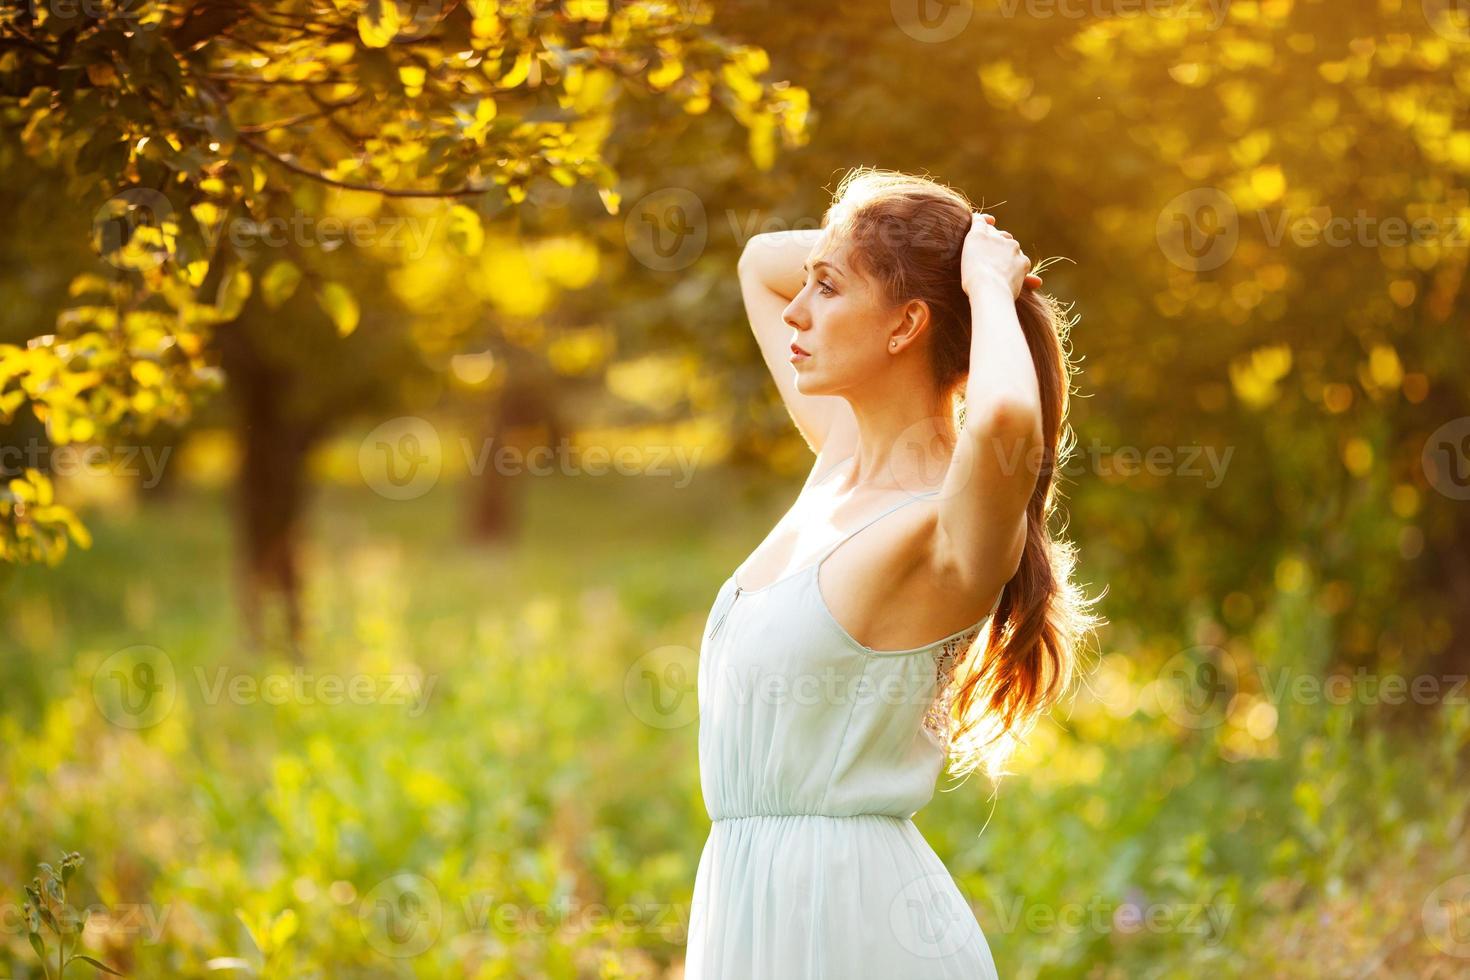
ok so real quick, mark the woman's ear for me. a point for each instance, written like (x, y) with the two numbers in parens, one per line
(915, 316)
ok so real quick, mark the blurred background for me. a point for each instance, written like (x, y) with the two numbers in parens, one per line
(378, 420)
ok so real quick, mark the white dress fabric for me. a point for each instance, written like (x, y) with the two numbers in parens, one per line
(815, 752)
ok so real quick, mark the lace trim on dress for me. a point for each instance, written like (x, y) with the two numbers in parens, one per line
(937, 720)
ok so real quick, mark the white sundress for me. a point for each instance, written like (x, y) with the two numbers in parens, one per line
(815, 752)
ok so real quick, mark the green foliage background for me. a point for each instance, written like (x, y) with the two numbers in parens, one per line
(1233, 792)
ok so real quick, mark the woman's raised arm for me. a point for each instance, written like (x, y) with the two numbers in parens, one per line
(982, 520)
(771, 275)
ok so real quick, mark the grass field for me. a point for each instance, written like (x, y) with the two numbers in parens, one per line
(465, 778)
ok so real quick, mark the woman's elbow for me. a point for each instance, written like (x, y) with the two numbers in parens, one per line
(1014, 419)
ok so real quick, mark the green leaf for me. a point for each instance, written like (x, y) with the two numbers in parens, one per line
(466, 233)
(338, 303)
(233, 291)
(279, 283)
(99, 965)
(434, 158)
(283, 927)
(69, 862)
(9, 403)
(379, 24)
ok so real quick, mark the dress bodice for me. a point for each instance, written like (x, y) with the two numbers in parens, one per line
(797, 717)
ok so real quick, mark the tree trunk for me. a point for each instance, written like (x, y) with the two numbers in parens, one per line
(523, 418)
(270, 493)
(270, 507)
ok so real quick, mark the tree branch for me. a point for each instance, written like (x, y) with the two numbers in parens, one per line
(326, 109)
(466, 190)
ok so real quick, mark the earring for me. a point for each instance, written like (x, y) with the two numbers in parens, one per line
(893, 343)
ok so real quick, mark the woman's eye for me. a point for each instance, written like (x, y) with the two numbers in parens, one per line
(827, 289)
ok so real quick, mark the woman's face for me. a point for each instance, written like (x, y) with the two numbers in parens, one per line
(837, 319)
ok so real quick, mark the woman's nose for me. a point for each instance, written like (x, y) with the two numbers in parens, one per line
(790, 315)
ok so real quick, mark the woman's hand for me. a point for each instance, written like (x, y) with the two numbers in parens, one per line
(992, 255)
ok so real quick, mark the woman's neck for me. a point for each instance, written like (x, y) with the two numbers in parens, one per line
(903, 442)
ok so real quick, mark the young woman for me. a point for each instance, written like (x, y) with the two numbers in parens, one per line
(928, 375)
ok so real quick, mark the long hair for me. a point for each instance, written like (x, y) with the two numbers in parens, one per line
(907, 233)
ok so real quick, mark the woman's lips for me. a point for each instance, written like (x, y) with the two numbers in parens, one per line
(797, 354)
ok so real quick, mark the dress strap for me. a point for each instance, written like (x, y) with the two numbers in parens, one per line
(849, 535)
(833, 469)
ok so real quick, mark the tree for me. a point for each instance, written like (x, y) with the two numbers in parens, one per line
(1238, 186)
(180, 120)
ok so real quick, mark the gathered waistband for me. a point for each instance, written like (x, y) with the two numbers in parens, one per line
(793, 816)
